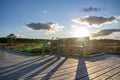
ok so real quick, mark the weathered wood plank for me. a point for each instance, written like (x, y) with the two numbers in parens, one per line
(94, 75)
(39, 69)
(95, 69)
(108, 74)
(115, 77)
(19, 68)
(54, 68)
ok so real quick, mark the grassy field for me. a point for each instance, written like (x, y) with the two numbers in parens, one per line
(40, 46)
(97, 48)
(32, 48)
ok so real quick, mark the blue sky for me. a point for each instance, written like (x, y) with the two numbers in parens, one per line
(16, 14)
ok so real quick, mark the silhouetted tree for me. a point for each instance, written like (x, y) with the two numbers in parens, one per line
(12, 36)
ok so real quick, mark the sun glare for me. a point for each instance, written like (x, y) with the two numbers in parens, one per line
(83, 32)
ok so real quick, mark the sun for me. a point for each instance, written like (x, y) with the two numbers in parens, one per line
(83, 32)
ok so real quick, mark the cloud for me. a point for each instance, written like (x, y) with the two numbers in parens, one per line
(19, 36)
(50, 27)
(105, 32)
(96, 21)
(44, 11)
(89, 9)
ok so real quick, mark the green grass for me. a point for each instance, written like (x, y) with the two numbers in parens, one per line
(30, 48)
(37, 51)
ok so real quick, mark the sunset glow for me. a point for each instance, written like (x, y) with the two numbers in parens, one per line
(83, 32)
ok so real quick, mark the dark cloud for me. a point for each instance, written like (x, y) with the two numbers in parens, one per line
(39, 26)
(49, 26)
(96, 20)
(105, 32)
(89, 9)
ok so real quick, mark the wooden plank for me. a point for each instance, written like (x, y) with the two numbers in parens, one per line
(64, 72)
(16, 69)
(100, 57)
(95, 67)
(35, 71)
(99, 73)
(108, 74)
(22, 63)
(52, 70)
(106, 66)
(69, 76)
(52, 66)
(115, 77)
(60, 67)
(102, 66)
(91, 64)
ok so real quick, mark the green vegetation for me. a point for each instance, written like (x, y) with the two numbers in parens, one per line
(32, 46)
(45, 46)
(40, 48)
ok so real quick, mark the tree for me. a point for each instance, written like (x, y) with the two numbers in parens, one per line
(13, 36)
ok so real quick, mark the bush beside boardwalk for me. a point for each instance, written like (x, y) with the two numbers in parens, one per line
(35, 46)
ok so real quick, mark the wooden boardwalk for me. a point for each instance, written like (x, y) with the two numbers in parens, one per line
(54, 67)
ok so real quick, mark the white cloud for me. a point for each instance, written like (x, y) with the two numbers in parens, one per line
(44, 11)
(19, 36)
(50, 27)
(96, 21)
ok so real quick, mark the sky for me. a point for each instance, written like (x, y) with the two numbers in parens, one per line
(60, 18)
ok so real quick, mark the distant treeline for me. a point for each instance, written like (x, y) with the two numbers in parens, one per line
(28, 40)
(21, 40)
(106, 41)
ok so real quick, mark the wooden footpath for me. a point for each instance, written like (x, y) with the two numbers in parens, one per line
(54, 67)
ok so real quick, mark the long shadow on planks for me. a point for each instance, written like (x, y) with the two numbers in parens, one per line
(49, 74)
(20, 65)
(24, 62)
(49, 64)
(81, 71)
(24, 69)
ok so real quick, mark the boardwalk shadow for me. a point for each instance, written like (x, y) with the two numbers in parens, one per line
(49, 74)
(31, 68)
(81, 72)
(50, 63)
(20, 65)
(24, 62)
(24, 69)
